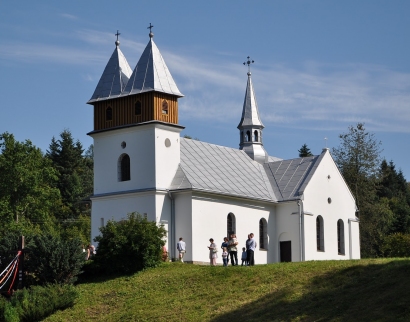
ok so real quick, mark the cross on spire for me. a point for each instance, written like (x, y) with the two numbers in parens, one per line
(150, 27)
(117, 42)
(249, 62)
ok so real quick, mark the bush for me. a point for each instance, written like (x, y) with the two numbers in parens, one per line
(37, 302)
(129, 245)
(51, 259)
(396, 245)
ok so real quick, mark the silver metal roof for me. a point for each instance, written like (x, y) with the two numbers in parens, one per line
(151, 74)
(114, 78)
(228, 171)
(222, 170)
(250, 112)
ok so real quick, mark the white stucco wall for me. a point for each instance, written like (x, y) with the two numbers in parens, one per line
(327, 182)
(183, 222)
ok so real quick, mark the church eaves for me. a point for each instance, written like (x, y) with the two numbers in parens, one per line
(114, 78)
(151, 74)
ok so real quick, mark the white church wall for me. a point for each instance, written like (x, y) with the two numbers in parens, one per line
(183, 222)
(355, 240)
(117, 207)
(163, 215)
(210, 214)
(327, 182)
(287, 229)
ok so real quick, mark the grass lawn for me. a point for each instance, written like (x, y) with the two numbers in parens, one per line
(363, 290)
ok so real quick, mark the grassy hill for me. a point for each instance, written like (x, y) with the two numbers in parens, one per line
(365, 290)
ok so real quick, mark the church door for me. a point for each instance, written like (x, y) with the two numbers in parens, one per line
(285, 251)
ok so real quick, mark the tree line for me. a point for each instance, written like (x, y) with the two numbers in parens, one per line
(381, 192)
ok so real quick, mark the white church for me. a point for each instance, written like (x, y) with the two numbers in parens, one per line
(299, 209)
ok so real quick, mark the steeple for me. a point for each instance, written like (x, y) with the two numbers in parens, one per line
(250, 127)
(115, 76)
(151, 73)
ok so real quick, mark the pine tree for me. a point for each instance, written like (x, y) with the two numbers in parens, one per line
(304, 151)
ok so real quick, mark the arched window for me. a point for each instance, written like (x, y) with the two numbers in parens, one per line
(124, 168)
(256, 135)
(340, 237)
(164, 107)
(263, 234)
(108, 114)
(138, 108)
(248, 136)
(320, 243)
(230, 224)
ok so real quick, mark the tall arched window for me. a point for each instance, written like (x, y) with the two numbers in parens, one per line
(230, 224)
(138, 108)
(320, 243)
(248, 136)
(256, 135)
(340, 237)
(108, 114)
(263, 234)
(124, 168)
(164, 107)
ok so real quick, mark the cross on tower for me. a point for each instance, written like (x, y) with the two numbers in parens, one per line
(150, 27)
(249, 62)
(117, 34)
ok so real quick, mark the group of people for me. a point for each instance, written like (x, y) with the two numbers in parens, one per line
(230, 249)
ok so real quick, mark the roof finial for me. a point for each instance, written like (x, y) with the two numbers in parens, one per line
(151, 34)
(117, 42)
(249, 62)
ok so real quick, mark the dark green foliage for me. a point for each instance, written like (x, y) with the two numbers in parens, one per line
(129, 245)
(397, 245)
(26, 182)
(304, 151)
(51, 259)
(36, 303)
(75, 173)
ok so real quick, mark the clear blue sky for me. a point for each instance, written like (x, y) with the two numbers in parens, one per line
(320, 66)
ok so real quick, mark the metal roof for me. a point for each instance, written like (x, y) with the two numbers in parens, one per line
(228, 171)
(114, 78)
(222, 170)
(250, 112)
(151, 74)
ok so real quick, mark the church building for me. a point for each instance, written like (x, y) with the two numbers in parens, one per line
(299, 209)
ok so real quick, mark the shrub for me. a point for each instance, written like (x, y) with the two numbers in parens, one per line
(396, 245)
(129, 245)
(37, 302)
(53, 259)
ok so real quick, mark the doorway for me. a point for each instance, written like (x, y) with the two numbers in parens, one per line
(285, 251)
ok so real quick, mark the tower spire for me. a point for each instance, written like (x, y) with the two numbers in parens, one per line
(250, 127)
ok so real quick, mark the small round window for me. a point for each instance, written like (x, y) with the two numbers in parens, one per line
(123, 144)
(329, 200)
(167, 142)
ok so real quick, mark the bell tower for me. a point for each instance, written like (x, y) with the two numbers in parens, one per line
(250, 127)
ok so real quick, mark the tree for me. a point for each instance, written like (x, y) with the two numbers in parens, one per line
(304, 151)
(26, 182)
(74, 172)
(130, 245)
(358, 158)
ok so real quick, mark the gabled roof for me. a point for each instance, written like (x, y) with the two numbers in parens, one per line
(228, 171)
(151, 74)
(222, 170)
(250, 112)
(114, 78)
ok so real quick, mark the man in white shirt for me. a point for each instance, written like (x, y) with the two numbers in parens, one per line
(181, 249)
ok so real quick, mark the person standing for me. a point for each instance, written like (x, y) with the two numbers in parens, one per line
(225, 256)
(244, 257)
(181, 249)
(226, 245)
(213, 252)
(233, 251)
(251, 246)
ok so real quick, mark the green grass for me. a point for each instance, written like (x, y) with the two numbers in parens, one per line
(365, 290)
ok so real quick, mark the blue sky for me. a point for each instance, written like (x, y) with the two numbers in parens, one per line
(320, 66)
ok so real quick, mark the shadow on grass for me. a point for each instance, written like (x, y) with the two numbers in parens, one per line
(374, 292)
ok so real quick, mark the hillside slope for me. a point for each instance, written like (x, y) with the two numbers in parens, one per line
(365, 290)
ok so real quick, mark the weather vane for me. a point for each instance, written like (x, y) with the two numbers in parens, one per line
(117, 42)
(249, 62)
